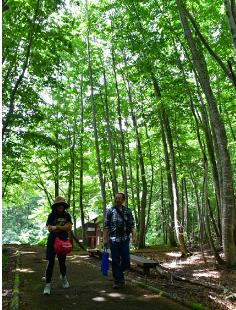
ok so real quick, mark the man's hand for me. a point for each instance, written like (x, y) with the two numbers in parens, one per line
(105, 243)
(105, 238)
(134, 237)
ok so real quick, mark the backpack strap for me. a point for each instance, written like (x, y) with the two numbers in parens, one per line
(121, 214)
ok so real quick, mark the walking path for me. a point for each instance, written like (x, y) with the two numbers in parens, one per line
(88, 288)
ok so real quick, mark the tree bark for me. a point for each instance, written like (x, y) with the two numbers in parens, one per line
(109, 136)
(8, 119)
(228, 72)
(81, 171)
(230, 9)
(143, 206)
(122, 138)
(99, 165)
(178, 225)
(228, 199)
(171, 226)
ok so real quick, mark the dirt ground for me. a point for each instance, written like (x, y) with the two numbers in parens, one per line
(88, 290)
(211, 285)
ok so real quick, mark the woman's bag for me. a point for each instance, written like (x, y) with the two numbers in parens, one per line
(62, 247)
(105, 262)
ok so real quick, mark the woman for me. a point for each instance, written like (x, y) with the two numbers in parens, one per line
(59, 224)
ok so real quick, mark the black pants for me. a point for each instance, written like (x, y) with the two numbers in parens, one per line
(51, 262)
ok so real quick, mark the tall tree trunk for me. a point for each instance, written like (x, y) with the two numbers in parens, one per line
(206, 206)
(186, 210)
(81, 171)
(138, 197)
(211, 153)
(99, 165)
(143, 206)
(152, 173)
(72, 164)
(230, 9)
(228, 199)
(8, 119)
(122, 138)
(207, 132)
(109, 135)
(199, 217)
(171, 224)
(56, 178)
(164, 215)
(178, 226)
(227, 71)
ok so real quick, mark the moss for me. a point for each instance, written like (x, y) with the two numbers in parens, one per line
(15, 294)
(193, 306)
(198, 307)
(5, 258)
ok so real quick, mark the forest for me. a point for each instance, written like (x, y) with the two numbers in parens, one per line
(133, 96)
(125, 96)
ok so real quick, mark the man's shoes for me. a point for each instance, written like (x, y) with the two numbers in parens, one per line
(47, 289)
(65, 283)
(116, 285)
(119, 284)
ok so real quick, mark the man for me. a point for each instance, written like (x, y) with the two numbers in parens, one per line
(118, 225)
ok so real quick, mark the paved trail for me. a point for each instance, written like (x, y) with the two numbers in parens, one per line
(89, 290)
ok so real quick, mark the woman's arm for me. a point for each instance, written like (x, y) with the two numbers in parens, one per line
(67, 227)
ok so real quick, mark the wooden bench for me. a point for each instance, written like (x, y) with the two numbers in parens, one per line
(142, 262)
(94, 253)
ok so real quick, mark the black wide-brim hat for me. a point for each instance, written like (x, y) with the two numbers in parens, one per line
(60, 201)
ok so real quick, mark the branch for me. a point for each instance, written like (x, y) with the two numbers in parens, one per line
(20, 78)
(229, 73)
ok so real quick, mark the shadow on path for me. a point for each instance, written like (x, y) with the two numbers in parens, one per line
(88, 288)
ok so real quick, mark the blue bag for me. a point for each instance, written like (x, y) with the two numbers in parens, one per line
(105, 262)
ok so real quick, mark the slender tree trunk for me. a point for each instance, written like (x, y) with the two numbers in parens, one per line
(56, 179)
(227, 71)
(199, 218)
(178, 226)
(186, 210)
(131, 182)
(5, 6)
(81, 172)
(143, 206)
(230, 9)
(206, 203)
(102, 185)
(72, 164)
(109, 135)
(122, 138)
(152, 174)
(228, 199)
(171, 226)
(8, 119)
(138, 197)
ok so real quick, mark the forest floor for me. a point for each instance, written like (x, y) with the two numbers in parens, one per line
(211, 286)
(88, 288)
(194, 279)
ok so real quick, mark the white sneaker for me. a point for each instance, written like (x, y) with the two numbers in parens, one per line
(65, 283)
(47, 289)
